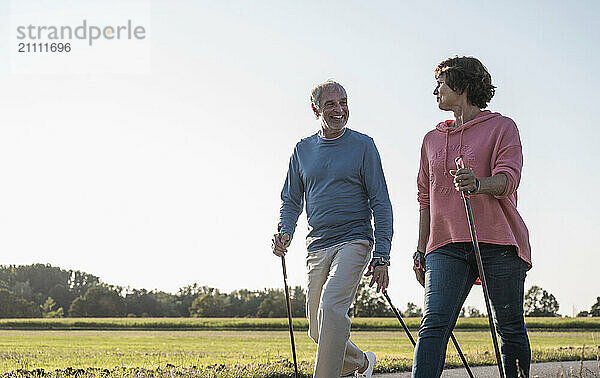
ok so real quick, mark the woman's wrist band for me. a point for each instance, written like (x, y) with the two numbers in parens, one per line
(477, 186)
(419, 260)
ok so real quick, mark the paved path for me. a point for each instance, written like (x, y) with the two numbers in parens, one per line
(547, 369)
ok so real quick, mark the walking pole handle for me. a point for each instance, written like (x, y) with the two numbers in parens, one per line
(280, 231)
(460, 164)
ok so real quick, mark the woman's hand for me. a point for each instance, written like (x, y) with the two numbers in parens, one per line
(419, 267)
(465, 180)
(420, 275)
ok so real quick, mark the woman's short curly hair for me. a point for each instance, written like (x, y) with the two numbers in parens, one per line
(468, 73)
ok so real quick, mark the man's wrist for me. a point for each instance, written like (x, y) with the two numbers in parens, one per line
(380, 261)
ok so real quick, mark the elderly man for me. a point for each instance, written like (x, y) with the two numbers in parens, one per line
(338, 171)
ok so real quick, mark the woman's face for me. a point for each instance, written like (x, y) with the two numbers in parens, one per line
(447, 99)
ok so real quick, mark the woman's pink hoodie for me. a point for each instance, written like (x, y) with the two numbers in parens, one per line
(489, 144)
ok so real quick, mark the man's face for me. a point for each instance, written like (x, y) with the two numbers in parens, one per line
(333, 107)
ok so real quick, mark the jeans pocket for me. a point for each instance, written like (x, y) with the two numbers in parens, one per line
(509, 250)
(498, 249)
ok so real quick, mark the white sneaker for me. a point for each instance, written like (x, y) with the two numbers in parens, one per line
(369, 372)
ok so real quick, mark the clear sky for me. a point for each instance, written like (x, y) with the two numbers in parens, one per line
(169, 174)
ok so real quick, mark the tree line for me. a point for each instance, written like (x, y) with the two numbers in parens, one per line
(42, 290)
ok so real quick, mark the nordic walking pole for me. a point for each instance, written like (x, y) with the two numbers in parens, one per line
(462, 356)
(385, 294)
(466, 197)
(289, 308)
(412, 340)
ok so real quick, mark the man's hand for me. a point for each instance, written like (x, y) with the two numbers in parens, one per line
(280, 243)
(380, 276)
(464, 180)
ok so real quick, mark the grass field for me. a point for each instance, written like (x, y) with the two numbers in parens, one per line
(382, 324)
(239, 353)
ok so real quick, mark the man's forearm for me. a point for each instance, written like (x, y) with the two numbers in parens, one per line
(383, 220)
(287, 222)
(424, 218)
(292, 205)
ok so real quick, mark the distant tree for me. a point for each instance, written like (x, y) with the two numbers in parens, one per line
(470, 312)
(80, 282)
(298, 301)
(583, 314)
(473, 312)
(538, 302)
(23, 289)
(144, 303)
(167, 303)
(245, 303)
(12, 306)
(273, 305)
(187, 295)
(7, 276)
(368, 303)
(98, 301)
(32, 282)
(412, 311)
(51, 310)
(272, 308)
(116, 288)
(595, 310)
(79, 308)
(41, 278)
(61, 295)
(209, 305)
(37, 282)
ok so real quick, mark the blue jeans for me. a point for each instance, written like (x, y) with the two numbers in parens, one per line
(449, 276)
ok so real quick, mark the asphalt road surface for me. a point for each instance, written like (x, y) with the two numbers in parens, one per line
(546, 369)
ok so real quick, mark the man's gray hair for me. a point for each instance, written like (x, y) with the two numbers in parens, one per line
(315, 95)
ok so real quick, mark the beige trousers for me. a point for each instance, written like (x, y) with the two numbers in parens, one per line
(333, 277)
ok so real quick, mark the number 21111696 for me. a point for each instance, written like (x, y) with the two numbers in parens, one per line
(44, 47)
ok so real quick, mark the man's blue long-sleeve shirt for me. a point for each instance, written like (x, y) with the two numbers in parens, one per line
(343, 183)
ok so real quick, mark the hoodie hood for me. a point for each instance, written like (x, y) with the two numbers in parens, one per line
(447, 128)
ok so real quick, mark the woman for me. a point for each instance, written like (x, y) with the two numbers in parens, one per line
(445, 265)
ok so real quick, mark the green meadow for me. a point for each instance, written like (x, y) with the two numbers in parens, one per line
(246, 347)
(358, 324)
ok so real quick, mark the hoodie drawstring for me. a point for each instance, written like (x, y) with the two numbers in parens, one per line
(447, 128)
(460, 144)
(446, 154)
